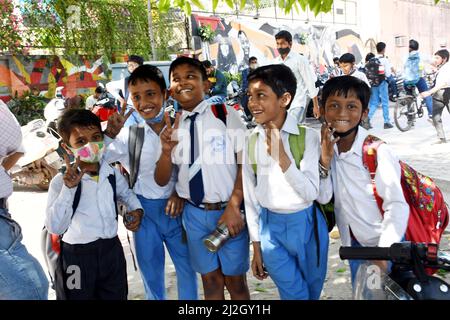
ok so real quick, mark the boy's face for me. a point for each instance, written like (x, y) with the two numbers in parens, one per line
(131, 66)
(80, 136)
(187, 86)
(147, 98)
(344, 113)
(264, 104)
(346, 67)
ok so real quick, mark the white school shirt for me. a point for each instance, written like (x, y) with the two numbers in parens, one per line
(218, 147)
(306, 78)
(443, 76)
(354, 201)
(284, 193)
(360, 75)
(95, 217)
(10, 142)
(114, 87)
(146, 186)
(386, 64)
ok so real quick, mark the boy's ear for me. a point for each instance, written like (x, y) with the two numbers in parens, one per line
(365, 114)
(286, 98)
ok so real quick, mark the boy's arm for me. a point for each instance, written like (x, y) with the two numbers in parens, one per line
(164, 166)
(309, 78)
(396, 209)
(117, 149)
(125, 194)
(59, 206)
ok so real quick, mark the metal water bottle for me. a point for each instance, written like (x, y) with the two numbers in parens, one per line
(216, 239)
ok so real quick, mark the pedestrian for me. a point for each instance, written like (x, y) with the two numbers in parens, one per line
(206, 152)
(347, 64)
(92, 99)
(440, 91)
(306, 78)
(82, 209)
(253, 64)
(21, 275)
(342, 173)
(119, 89)
(279, 192)
(161, 223)
(218, 84)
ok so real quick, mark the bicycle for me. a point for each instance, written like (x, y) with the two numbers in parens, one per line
(408, 108)
(409, 278)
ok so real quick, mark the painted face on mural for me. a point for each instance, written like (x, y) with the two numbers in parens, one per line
(245, 44)
(224, 48)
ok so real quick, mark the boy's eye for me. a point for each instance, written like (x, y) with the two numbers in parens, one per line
(190, 76)
(261, 95)
(136, 98)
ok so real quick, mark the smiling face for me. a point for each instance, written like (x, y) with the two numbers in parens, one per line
(344, 113)
(264, 104)
(147, 98)
(187, 86)
(346, 67)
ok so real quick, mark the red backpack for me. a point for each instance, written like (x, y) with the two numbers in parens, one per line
(428, 212)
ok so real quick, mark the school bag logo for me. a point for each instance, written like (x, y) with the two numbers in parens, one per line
(375, 72)
(428, 212)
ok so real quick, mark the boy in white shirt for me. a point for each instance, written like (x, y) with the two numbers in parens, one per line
(290, 237)
(360, 222)
(89, 228)
(347, 64)
(161, 223)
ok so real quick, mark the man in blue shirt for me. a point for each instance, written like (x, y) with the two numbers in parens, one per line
(218, 91)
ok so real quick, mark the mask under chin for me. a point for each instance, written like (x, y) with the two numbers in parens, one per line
(346, 133)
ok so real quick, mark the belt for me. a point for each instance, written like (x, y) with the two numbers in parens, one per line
(210, 206)
(3, 203)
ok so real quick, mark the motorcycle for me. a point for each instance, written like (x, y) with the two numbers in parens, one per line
(410, 276)
(105, 106)
(54, 108)
(41, 161)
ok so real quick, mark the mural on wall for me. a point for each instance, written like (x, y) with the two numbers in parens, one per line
(237, 40)
(45, 73)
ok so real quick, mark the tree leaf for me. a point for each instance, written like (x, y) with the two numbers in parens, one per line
(198, 4)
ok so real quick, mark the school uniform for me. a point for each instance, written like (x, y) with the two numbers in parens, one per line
(280, 214)
(119, 89)
(156, 228)
(90, 242)
(206, 178)
(354, 202)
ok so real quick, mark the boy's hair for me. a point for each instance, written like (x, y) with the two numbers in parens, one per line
(336, 59)
(413, 45)
(207, 64)
(347, 58)
(283, 34)
(252, 59)
(343, 85)
(278, 77)
(99, 89)
(189, 61)
(76, 118)
(147, 73)
(138, 59)
(443, 53)
(380, 46)
(369, 56)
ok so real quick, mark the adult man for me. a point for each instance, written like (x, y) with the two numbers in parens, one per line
(92, 100)
(119, 89)
(21, 275)
(253, 64)
(218, 90)
(306, 79)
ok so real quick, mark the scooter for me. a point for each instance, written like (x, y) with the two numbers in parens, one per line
(41, 161)
(411, 274)
(54, 108)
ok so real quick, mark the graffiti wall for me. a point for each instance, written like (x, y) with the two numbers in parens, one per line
(44, 73)
(237, 40)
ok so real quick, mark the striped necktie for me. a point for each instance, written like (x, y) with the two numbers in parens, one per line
(196, 189)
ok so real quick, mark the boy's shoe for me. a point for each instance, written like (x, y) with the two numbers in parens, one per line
(441, 140)
(388, 125)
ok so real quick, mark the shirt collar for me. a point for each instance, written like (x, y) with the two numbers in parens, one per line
(200, 108)
(357, 144)
(289, 126)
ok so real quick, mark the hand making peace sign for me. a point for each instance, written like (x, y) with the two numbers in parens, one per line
(73, 175)
(116, 122)
(168, 137)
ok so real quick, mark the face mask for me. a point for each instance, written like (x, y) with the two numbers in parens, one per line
(346, 133)
(253, 66)
(159, 117)
(284, 51)
(90, 153)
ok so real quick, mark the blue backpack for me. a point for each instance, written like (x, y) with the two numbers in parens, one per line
(412, 69)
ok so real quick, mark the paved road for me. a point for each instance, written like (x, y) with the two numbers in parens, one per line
(28, 206)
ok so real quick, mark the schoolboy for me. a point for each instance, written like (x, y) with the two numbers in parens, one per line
(289, 236)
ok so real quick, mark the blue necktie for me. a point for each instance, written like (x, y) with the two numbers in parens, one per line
(196, 189)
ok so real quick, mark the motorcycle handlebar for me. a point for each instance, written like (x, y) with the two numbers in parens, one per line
(364, 253)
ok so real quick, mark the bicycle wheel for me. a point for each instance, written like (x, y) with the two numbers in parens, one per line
(404, 113)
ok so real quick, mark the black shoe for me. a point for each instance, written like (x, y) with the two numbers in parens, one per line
(388, 125)
(366, 124)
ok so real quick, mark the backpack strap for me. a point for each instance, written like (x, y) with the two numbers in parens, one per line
(252, 150)
(76, 200)
(370, 147)
(112, 181)
(297, 145)
(135, 143)
(220, 112)
(127, 92)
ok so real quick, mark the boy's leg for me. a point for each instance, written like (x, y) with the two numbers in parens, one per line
(179, 253)
(315, 271)
(422, 86)
(384, 96)
(279, 256)
(112, 283)
(374, 101)
(237, 287)
(438, 107)
(149, 247)
(214, 285)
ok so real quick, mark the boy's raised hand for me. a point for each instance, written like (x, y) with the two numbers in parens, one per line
(168, 141)
(116, 122)
(327, 144)
(72, 176)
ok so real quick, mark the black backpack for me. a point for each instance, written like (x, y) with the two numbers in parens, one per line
(375, 72)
